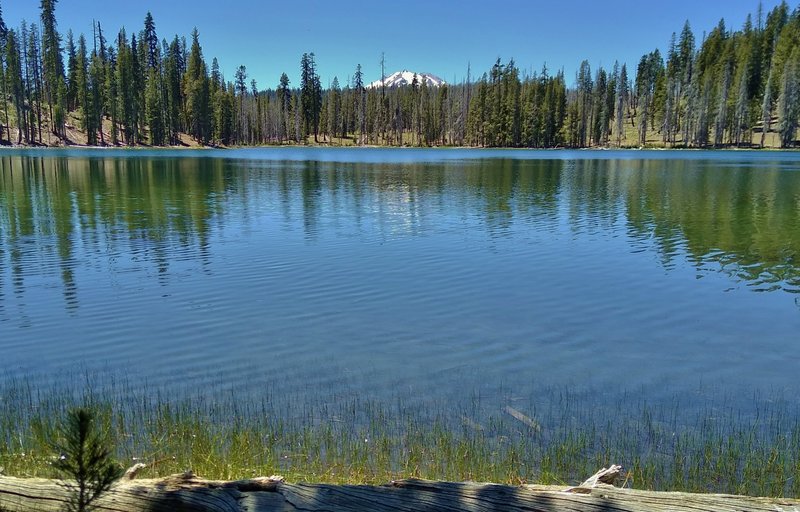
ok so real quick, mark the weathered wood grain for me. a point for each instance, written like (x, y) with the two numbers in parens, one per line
(188, 493)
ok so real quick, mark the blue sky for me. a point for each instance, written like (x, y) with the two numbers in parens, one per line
(439, 37)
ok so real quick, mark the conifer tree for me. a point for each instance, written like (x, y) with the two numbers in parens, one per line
(766, 109)
(4, 76)
(173, 88)
(241, 90)
(35, 79)
(360, 103)
(86, 458)
(17, 87)
(125, 88)
(196, 89)
(151, 42)
(82, 94)
(53, 69)
(284, 101)
(788, 100)
(622, 103)
(153, 111)
(310, 94)
(71, 97)
(335, 109)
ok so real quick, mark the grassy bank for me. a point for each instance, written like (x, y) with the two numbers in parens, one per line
(564, 440)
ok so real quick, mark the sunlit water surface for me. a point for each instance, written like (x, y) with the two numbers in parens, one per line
(422, 275)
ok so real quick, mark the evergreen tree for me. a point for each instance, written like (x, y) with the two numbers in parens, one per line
(223, 114)
(98, 73)
(34, 79)
(284, 101)
(622, 103)
(96, 92)
(125, 88)
(310, 95)
(173, 89)
(648, 75)
(82, 93)
(4, 76)
(153, 110)
(360, 107)
(17, 85)
(86, 458)
(766, 109)
(241, 91)
(584, 103)
(788, 100)
(53, 69)
(334, 110)
(150, 40)
(71, 97)
(196, 89)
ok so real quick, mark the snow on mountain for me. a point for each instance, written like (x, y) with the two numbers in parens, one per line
(405, 77)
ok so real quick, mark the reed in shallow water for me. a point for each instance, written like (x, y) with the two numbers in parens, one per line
(560, 439)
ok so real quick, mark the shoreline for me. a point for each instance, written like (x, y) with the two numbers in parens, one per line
(81, 147)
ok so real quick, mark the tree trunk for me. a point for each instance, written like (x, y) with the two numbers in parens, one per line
(185, 493)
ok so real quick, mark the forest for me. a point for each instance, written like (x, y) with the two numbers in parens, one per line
(732, 88)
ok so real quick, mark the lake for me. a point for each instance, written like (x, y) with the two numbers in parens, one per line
(433, 275)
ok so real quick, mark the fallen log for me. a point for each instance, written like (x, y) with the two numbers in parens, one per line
(188, 493)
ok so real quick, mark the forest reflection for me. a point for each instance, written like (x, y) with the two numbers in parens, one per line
(57, 213)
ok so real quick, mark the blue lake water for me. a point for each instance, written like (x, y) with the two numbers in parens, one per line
(433, 274)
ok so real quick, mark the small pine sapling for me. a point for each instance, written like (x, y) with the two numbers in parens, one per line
(85, 458)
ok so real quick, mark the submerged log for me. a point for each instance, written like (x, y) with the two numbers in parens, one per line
(188, 493)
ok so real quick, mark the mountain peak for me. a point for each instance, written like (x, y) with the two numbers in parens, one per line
(406, 77)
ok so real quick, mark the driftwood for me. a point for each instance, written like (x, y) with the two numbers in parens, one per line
(187, 493)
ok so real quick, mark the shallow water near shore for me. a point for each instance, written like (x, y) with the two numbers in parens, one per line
(433, 276)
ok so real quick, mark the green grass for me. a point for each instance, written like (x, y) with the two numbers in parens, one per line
(711, 449)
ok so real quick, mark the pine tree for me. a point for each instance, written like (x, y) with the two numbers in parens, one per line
(584, 103)
(742, 113)
(125, 88)
(196, 90)
(34, 79)
(334, 110)
(788, 100)
(71, 98)
(53, 72)
(82, 93)
(86, 458)
(284, 101)
(241, 90)
(4, 76)
(310, 94)
(766, 109)
(648, 75)
(688, 84)
(150, 40)
(95, 104)
(173, 89)
(153, 110)
(17, 85)
(99, 72)
(257, 121)
(224, 114)
(721, 116)
(622, 103)
(360, 103)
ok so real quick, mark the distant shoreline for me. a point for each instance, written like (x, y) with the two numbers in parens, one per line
(373, 146)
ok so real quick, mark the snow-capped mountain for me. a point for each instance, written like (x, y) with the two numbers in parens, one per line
(405, 77)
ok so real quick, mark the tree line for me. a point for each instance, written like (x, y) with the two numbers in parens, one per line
(736, 88)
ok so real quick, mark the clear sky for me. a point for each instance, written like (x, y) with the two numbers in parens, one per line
(434, 36)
